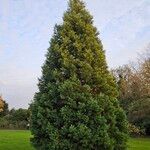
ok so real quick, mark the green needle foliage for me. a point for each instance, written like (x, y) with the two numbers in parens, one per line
(76, 106)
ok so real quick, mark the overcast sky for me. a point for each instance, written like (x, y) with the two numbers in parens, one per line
(26, 27)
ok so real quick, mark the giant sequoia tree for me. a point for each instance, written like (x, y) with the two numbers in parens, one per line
(76, 106)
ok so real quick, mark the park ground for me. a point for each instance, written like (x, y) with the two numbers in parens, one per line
(20, 140)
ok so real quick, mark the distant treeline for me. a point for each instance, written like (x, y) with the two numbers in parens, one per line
(14, 118)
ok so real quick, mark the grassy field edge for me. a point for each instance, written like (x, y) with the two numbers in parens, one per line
(20, 140)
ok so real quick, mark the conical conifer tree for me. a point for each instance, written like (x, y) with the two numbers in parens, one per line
(76, 106)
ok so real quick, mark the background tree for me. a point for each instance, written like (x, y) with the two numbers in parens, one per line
(19, 118)
(134, 90)
(140, 108)
(76, 106)
(15, 119)
(5, 110)
(1, 104)
(123, 76)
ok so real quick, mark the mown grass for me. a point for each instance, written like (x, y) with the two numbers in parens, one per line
(15, 140)
(20, 140)
(139, 144)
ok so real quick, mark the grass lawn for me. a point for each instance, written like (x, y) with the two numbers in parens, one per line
(19, 140)
(139, 144)
(15, 140)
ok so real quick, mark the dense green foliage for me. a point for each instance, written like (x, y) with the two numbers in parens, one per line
(76, 106)
(15, 119)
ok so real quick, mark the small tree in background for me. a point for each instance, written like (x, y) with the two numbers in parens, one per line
(76, 106)
(1, 104)
(4, 108)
